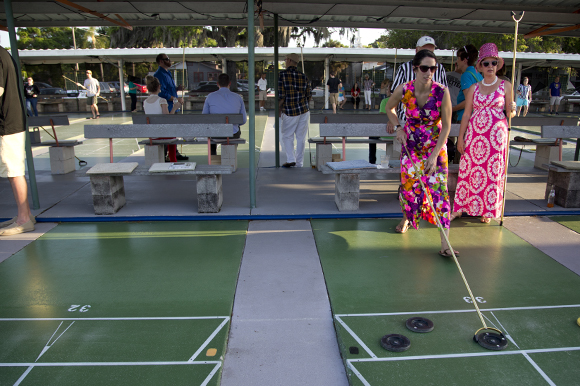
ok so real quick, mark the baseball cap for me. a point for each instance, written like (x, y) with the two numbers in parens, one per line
(424, 40)
(293, 57)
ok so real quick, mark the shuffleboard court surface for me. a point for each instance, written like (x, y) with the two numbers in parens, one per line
(377, 279)
(120, 303)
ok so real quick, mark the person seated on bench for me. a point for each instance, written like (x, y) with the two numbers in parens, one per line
(154, 104)
(224, 101)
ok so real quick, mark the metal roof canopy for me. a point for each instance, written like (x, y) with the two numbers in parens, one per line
(492, 16)
(140, 55)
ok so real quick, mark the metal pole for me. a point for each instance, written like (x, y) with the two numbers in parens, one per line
(122, 86)
(252, 103)
(507, 150)
(276, 94)
(326, 75)
(28, 149)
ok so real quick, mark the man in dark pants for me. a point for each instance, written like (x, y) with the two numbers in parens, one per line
(31, 92)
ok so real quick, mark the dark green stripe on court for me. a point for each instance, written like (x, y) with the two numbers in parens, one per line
(572, 222)
(118, 277)
(370, 269)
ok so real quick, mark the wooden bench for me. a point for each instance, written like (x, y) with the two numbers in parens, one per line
(62, 153)
(42, 103)
(154, 149)
(341, 128)
(347, 183)
(108, 186)
(547, 150)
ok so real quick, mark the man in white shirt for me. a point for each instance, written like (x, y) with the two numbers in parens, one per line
(263, 95)
(93, 90)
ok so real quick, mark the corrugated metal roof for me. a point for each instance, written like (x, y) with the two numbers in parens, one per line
(267, 53)
(473, 16)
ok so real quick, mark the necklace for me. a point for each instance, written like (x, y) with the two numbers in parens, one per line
(491, 84)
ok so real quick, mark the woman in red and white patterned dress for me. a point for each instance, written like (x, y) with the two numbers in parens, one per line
(483, 137)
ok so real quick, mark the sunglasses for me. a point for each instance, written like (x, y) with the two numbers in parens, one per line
(486, 64)
(166, 59)
(428, 68)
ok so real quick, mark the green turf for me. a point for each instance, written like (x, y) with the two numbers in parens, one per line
(120, 270)
(370, 269)
(572, 222)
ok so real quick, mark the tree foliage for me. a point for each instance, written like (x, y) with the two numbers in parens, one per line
(504, 42)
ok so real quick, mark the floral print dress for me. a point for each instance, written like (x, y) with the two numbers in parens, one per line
(422, 130)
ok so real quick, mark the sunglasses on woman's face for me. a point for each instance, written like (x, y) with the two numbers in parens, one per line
(493, 63)
(428, 68)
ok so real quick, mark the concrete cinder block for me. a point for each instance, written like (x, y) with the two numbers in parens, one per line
(323, 154)
(209, 183)
(229, 156)
(347, 183)
(209, 202)
(154, 154)
(62, 159)
(108, 194)
(346, 201)
(216, 159)
(545, 154)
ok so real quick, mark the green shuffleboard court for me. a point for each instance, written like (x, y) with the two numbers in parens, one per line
(120, 303)
(377, 279)
(572, 222)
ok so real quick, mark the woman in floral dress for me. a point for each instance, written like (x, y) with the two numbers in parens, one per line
(428, 114)
(482, 141)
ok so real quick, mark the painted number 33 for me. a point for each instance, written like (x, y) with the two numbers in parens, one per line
(75, 307)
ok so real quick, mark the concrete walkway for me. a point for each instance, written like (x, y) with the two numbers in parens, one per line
(281, 328)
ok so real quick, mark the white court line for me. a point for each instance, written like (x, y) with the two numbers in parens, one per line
(355, 336)
(538, 369)
(199, 350)
(356, 372)
(461, 311)
(23, 376)
(503, 329)
(467, 355)
(210, 376)
(121, 318)
(78, 364)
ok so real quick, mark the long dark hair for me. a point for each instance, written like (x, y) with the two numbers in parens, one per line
(468, 52)
(419, 56)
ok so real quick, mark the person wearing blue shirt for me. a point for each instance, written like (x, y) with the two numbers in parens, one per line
(466, 58)
(168, 88)
(224, 101)
(555, 93)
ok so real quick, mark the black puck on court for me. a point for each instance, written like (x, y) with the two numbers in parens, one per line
(353, 350)
(418, 324)
(491, 341)
(395, 342)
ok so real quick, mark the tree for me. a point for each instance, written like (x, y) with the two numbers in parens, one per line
(452, 40)
(334, 43)
(50, 38)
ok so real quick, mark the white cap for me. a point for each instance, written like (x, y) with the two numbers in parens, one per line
(423, 41)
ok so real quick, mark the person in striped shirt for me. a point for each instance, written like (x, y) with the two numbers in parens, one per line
(405, 74)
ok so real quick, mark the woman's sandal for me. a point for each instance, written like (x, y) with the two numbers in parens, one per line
(447, 253)
(402, 228)
(485, 220)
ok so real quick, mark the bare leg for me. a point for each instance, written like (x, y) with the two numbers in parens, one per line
(403, 226)
(334, 108)
(525, 111)
(444, 245)
(519, 110)
(20, 190)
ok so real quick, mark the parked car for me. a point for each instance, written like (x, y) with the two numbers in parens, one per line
(140, 88)
(53, 91)
(573, 96)
(107, 88)
(116, 86)
(207, 88)
(40, 85)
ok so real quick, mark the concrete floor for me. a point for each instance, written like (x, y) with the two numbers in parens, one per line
(295, 193)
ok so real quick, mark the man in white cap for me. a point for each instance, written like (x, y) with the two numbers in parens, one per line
(295, 94)
(405, 74)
